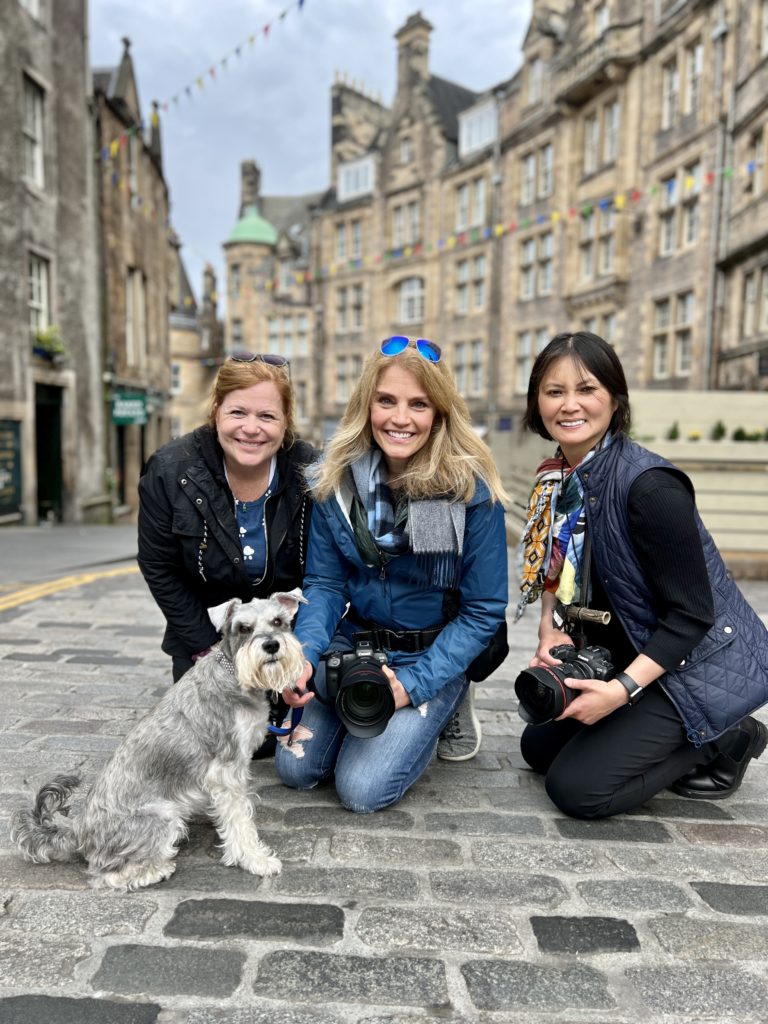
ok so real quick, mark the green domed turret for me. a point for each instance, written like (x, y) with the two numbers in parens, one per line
(252, 227)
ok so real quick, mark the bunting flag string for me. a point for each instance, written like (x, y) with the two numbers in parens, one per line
(111, 149)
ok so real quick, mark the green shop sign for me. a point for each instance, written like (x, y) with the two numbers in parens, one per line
(129, 407)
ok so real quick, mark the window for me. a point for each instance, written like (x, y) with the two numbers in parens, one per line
(478, 128)
(462, 207)
(398, 227)
(406, 149)
(670, 95)
(602, 18)
(476, 381)
(287, 349)
(542, 339)
(690, 204)
(478, 273)
(300, 390)
(301, 335)
(175, 378)
(535, 80)
(545, 263)
(235, 280)
(356, 244)
(34, 105)
(414, 221)
(756, 162)
(39, 292)
(587, 247)
(136, 319)
(524, 360)
(748, 317)
(528, 180)
(357, 306)
(462, 287)
(342, 387)
(527, 269)
(764, 29)
(606, 241)
(610, 132)
(764, 301)
(134, 148)
(341, 241)
(237, 334)
(546, 170)
(286, 275)
(591, 139)
(356, 178)
(460, 367)
(342, 309)
(274, 335)
(694, 63)
(661, 357)
(668, 217)
(589, 323)
(410, 303)
(32, 6)
(684, 318)
(478, 202)
(609, 328)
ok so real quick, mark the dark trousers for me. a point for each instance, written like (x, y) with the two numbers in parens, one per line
(180, 666)
(617, 764)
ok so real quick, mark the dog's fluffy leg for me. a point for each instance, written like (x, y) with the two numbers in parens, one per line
(232, 814)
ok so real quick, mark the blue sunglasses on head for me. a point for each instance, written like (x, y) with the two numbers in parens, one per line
(399, 343)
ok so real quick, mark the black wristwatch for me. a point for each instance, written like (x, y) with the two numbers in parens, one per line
(634, 689)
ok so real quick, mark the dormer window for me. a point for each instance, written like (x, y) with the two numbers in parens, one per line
(478, 127)
(356, 178)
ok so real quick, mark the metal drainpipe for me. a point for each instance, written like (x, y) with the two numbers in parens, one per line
(724, 129)
(496, 256)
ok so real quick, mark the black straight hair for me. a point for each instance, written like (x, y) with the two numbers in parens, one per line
(595, 355)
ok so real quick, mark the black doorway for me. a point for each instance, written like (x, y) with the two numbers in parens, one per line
(48, 402)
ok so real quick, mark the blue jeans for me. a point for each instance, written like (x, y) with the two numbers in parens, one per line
(376, 771)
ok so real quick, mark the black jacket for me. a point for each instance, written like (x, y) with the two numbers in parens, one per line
(189, 544)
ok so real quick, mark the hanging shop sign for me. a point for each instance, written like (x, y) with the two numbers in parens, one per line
(129, 407)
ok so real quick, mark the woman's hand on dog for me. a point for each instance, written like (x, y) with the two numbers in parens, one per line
(297, 696)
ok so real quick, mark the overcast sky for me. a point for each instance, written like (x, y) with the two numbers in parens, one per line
(272, 103)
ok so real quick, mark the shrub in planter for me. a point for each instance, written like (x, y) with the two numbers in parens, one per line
(718, 431)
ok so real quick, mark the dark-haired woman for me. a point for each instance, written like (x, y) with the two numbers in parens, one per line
(224, 510)
(614, 527)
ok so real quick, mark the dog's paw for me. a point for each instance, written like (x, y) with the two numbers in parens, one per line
(263, 864)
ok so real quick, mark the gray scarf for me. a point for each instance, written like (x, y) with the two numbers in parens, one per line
(434, 531)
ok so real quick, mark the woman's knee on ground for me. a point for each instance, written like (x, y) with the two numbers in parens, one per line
(364, 793)
(294, 771)
(573, 796)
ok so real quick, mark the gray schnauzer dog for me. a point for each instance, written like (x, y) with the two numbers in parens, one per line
(189, 756)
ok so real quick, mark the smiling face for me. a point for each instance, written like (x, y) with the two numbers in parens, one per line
(575, 407)
(401, 417)
(250, 424)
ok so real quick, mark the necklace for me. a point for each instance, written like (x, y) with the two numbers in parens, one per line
(246, 506)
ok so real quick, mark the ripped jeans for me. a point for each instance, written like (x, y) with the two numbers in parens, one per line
(376, 771)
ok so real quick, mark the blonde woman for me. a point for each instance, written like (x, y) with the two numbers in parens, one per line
(407, 553)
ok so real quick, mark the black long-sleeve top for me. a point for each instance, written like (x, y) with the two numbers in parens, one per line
(666, 541)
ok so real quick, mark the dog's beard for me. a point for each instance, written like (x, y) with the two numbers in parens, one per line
(257, 670)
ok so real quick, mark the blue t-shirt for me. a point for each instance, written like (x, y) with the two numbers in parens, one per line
(253, 532)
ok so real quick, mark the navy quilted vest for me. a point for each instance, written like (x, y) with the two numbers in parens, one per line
(725, 677)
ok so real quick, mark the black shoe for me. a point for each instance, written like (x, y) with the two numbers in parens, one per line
(722, 777)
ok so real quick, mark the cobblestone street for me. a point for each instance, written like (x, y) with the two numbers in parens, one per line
(472, 900)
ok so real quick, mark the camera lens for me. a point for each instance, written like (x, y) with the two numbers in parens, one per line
(543, 694)
(365, 702)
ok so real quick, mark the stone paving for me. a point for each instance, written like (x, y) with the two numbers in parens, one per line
(472, 900)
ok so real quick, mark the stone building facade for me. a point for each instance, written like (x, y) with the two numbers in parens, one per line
(269, 286)
(52, 461)
(138, 269)
(616, 182)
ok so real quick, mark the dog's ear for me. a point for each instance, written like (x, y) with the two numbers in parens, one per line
(291, 599)
(221, 612)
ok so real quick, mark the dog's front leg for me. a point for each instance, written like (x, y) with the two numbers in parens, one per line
(232, 815)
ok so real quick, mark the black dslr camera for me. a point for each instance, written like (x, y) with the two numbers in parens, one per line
(363, 697)
(542, 692)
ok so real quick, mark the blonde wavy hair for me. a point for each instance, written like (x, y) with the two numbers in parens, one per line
(234, 375)
(448, 464)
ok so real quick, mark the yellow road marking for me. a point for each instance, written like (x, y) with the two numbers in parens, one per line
(38, 590)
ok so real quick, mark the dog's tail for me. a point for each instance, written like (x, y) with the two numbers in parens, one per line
(36, 834)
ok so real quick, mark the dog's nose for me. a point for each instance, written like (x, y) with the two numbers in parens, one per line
(271, 646)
